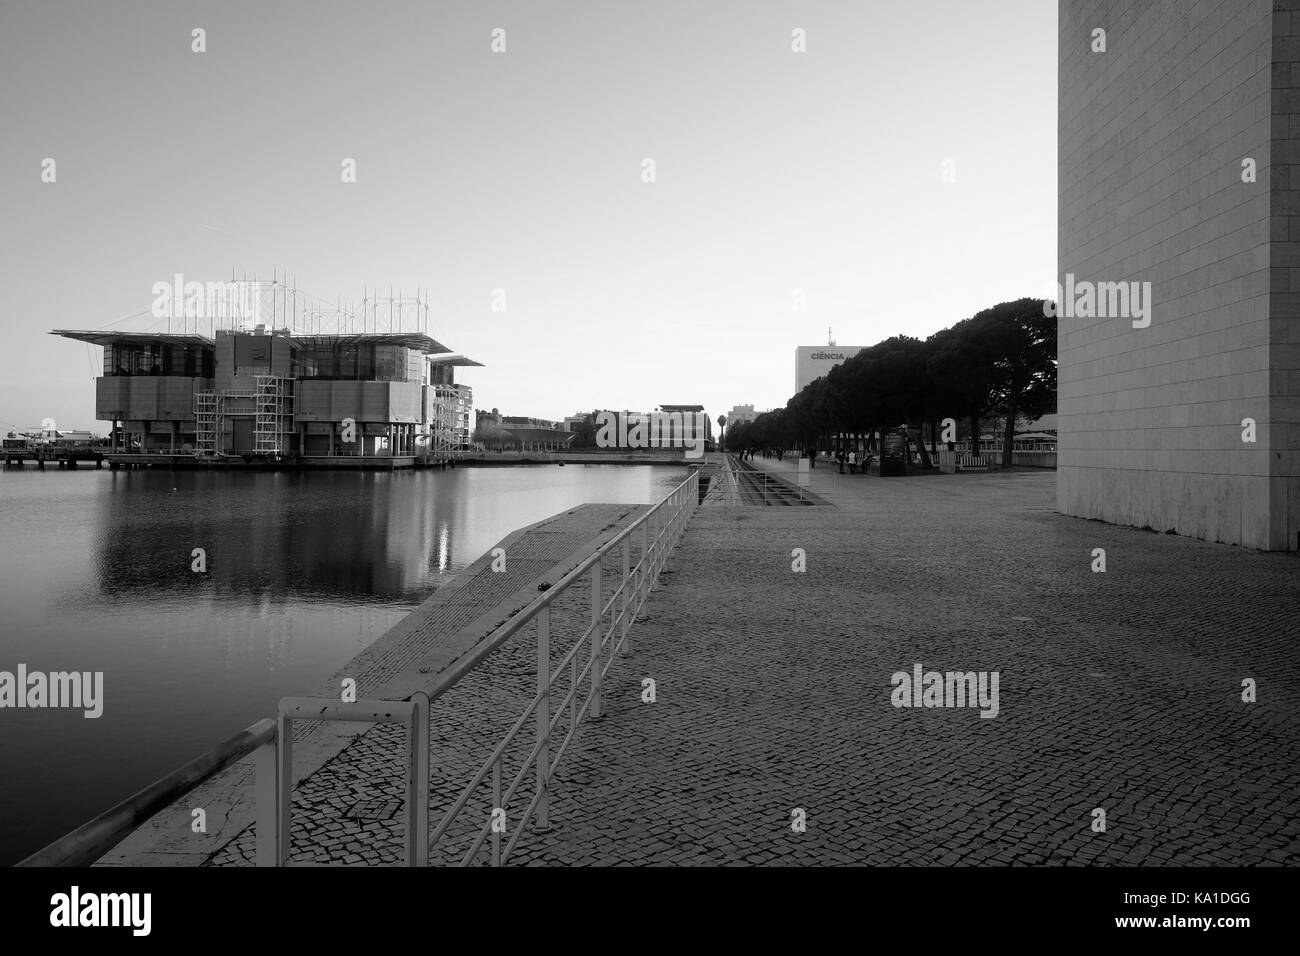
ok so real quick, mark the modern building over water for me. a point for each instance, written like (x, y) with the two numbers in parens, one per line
(259, 396)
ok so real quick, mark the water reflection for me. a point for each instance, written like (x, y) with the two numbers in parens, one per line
(303, 571)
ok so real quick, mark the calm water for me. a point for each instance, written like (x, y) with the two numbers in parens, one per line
(304, 570)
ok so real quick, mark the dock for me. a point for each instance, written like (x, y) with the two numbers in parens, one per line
(60, 456)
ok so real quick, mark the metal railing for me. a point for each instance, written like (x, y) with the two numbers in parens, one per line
(756, 486)
(657, 530)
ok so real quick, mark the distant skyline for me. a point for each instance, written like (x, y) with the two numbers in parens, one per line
(522, 171)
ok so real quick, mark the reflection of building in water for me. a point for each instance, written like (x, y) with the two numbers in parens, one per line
(253, 395)
(272, 538)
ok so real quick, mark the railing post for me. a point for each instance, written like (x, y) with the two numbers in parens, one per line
(267, 784)
(659, 544)
(625, 644)
(418, 813)
(283, 789)
(544, 718)
(653, 553)
(595, 636)
(644, 574)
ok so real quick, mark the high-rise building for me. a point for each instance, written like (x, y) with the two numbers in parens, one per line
(1179, 261)
(811, 362)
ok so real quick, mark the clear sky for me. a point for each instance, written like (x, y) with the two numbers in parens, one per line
(523, 171)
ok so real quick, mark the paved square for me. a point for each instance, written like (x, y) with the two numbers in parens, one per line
(1118, 690)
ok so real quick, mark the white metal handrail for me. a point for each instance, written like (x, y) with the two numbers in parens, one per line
(658, 529)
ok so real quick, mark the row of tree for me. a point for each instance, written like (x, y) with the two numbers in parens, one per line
(1000, 361)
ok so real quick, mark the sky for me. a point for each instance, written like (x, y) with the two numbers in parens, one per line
(792, 191)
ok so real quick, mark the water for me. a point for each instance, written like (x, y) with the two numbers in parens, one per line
(304, 570)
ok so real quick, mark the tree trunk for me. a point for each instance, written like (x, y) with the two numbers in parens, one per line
(1009, 436)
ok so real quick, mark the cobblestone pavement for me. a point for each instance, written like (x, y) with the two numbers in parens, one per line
(1119, 691)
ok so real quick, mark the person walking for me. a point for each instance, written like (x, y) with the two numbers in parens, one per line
(853, 463)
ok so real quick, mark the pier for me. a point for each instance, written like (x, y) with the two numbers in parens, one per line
(61, 456)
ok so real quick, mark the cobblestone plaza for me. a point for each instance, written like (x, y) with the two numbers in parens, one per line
(1120, 690)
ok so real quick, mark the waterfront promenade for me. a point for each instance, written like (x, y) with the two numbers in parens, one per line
(406, 659)
(1118, 691)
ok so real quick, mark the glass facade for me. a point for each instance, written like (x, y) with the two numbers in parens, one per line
(156, 358)
(365, 362)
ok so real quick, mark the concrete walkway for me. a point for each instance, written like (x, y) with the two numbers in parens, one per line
(1119, 691)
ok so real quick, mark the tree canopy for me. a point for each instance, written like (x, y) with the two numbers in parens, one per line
(1000, 361)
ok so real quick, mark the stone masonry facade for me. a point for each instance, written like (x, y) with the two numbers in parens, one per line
(1154, 186)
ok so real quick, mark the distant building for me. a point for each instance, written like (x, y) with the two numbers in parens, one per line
(668, 426)
(499, 431)
(280, 396)
(695, 424)
(811, 362)
(525, 422)
(741, 414)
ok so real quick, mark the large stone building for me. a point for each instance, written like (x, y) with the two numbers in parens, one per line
(1179, 159)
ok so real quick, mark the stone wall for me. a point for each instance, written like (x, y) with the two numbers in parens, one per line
(1152, 136)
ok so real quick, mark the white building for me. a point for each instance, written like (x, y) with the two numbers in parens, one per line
(811, 362)
(740, 414)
